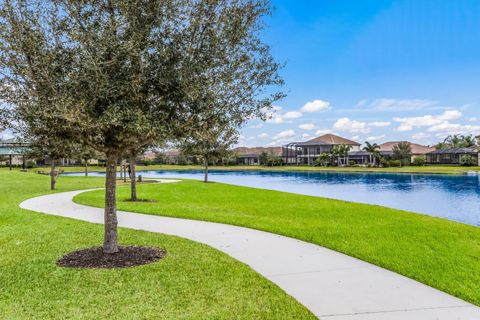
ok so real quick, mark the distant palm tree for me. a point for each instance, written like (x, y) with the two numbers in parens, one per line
(469, 141)
(373, 149)
(460, 141)
(341, 152)
(403, 152)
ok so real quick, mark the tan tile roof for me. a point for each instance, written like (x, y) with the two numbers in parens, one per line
(416, 148)
(332, 139)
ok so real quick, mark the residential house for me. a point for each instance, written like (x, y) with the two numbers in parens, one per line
(386, 151)
(307, 152)
(251, 156)
(418, 150)
(452, 155)
(12, 151)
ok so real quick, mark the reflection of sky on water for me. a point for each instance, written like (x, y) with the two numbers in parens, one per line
(455, 197)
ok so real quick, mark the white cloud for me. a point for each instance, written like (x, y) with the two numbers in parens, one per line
(276, 116)
(380, 124)
(276, 108)
(421, 136)
(307, 126)
(273, 116)
(315, 106)
(306, 135)
(408, 124)
(375, 138)
(450, 115)
(285, 134)
(361, 103)
(473, 119)
(452, 128)
(353, 126)
(276, 119)
(256, 126)
(405, 127)
(292, 115)
(321, 132)
(401, 104)
(272, 144)
(263, 135)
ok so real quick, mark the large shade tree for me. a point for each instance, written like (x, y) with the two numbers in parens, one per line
(118, 75)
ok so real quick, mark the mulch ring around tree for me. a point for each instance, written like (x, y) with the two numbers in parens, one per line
(127, 256)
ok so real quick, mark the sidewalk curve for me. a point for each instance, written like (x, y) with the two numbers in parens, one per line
(332, 285)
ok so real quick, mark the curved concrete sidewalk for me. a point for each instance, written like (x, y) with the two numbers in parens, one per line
(332, 285)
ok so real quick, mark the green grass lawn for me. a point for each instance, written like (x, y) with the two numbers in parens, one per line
(437, 252)
(410, 169)
(194, 281)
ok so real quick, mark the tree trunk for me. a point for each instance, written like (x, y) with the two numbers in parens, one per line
(110, 244)
(120, 167)
(205, 179)
(125, 171)
(53, 175)
(86, 168)
(133, 179)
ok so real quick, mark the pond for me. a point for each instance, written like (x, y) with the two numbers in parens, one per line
(454, 197)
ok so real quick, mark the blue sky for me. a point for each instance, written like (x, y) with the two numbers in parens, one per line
(376, 70)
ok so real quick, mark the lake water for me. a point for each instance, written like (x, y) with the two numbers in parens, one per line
(454, 197)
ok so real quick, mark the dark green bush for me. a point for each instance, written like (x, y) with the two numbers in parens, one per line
(394, 163)
(419, 161)
(30, 164)
(468, 161)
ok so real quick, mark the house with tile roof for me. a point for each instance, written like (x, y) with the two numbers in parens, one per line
(307, 152)
(386, 149)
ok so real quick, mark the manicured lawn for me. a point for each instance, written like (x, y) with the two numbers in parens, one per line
(193, 281)
(438, 252)
(411, 169)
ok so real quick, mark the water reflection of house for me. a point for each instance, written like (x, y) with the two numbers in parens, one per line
(251, 156)
(307, 152)
(452, 155)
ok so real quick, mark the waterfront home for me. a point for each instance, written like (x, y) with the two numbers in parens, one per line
(360, 157)
(251, 156)
(418, 150)
(307, 152)
(452, 155)
(386, 151)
